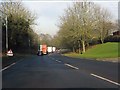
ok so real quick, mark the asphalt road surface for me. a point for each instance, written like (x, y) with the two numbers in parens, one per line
(57, 71)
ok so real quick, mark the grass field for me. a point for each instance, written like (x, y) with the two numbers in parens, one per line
(106, 50)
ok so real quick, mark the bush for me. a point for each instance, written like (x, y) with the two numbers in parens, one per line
(94, 41)
(112, 38)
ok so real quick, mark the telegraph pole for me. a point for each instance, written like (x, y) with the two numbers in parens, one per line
(6, 34)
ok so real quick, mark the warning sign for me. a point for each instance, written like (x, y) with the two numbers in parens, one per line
(10, 53)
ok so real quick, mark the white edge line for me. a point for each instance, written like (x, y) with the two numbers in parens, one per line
(7, 67)
(113, 82)
(71, 66)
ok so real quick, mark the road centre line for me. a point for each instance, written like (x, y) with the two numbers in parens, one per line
(55, 60)
(113, 82)
(97, 76)
(7, 67)
(71, 66)
(58, 61)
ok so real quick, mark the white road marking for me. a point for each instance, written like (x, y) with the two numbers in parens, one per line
(113, 82)
(71, 66)
(58, 61)
(7, 67)
(55, 60)
(114, 61)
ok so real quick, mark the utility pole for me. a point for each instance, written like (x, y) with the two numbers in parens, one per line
(6, 34)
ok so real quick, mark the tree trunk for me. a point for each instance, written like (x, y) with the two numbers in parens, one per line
(79, 48)
(73, 49)
(101, 40)
(83, 46)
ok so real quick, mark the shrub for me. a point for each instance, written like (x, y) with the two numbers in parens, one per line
(94, 41)
(111, 38)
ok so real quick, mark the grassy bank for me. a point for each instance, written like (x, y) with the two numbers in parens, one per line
(106, 50)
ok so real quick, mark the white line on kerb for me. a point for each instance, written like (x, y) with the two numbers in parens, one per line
(7, 67)
(105, 79)
(71, 66)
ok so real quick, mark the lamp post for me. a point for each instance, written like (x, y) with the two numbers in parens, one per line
(6, 34)
(6, 22)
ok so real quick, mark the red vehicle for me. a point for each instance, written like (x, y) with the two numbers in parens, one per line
(42, 50)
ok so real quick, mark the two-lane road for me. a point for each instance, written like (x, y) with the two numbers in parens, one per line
(56, 71)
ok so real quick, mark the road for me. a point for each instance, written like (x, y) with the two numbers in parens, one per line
(57, 71)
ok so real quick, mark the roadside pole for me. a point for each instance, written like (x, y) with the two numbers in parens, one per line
(0, 50)
(6, 34)
(6, 26)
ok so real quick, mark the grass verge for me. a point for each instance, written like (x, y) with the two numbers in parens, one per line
(102, 51)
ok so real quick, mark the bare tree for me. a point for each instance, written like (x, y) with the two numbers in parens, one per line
(84, 21)
(103, 22)
(78, 21)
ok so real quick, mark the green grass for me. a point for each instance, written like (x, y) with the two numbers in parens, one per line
(106, 50)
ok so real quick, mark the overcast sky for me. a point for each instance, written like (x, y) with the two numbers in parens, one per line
(48, 13)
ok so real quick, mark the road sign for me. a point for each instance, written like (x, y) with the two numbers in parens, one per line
(10, 53)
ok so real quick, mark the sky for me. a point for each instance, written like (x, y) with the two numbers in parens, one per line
(48, 13)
